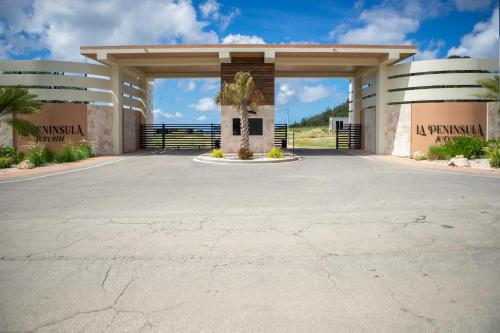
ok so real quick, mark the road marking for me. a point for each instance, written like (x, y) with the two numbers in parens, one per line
(362, 156)
(425, 169)
(69, 171)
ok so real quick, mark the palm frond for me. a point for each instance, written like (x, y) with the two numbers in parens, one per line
(18, 100)
(491, 86)
(24, 127)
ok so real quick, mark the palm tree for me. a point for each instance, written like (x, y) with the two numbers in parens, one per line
(15, 100)
(244, 96)
(491, 85)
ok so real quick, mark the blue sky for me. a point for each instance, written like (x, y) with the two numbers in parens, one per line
(54, 29)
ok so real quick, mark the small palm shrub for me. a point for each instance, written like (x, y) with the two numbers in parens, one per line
(275, 152)
(69, 154)
(217, 153)
(85, 149)
(245, 154)
(492, 151)
(48, 154)
(437, 153)
(5, 162)
(35, 153)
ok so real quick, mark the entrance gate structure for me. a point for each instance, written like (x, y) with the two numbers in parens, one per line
(265, 63)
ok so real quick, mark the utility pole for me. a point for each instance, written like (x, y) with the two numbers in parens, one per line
(287, 118)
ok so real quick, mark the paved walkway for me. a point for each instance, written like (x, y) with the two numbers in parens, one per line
(331, 243)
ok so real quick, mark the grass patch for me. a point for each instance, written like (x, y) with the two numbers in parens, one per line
(312, 137)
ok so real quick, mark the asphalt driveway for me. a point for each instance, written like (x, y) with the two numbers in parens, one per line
(331, 243)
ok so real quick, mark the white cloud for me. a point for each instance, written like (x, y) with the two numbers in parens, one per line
(285, 92)
(61, 26)
(205, 104)
(210, 85)
(431, 51)
(187, 85)
(242, 39)
(202, 118)
(161, 117)
(379, 26)
(472, 5)
(482, 42)
(313, 93)
(210, 9)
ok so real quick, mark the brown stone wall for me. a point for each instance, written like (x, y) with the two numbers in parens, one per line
(263, 74)
(493, 120)
(368, 129)
(138, 121)
(397, 130)
(434, 123)
(100, 128)
(59, 124)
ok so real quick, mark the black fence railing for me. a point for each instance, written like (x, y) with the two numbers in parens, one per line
(280, 135)
(193, 136)
(348, 136)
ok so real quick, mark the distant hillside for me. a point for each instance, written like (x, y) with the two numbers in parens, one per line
(321, 119)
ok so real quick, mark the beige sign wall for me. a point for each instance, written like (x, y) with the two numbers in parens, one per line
(258, 143)
(435, 123)
(59, 124)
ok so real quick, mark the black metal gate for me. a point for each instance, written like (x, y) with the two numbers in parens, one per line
(280, 135)
(189, 136)
(348, 136)
(179, 136)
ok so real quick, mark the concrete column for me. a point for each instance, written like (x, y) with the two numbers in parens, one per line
(149, 100)
(117, 89)
(380, 108)
(355, 99)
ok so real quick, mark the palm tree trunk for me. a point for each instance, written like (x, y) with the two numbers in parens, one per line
(245, 130)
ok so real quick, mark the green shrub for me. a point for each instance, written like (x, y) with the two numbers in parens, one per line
(217, 153)
(275, 152)
(6, 151)
(35, 153)
(492, 151)
(5, 162)
(468, 146)
(245, 154)
(20, 156)
(48, 154)
(69, 154)
(437, 153)
(85, 149)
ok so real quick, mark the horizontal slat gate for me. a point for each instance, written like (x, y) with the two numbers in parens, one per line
(348, 136)
(280, 135)
(180, 136)
(189, 136)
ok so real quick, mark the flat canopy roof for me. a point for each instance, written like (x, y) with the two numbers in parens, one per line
(291, 60)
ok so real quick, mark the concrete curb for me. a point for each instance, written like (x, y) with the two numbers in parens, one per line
(211, 160)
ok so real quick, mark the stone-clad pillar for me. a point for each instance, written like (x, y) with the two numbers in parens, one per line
(263, 75)
(380, 109)
(117, 89)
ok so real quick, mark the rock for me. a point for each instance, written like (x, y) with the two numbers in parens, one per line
(459, 161)
(26, 164)
(418, 155)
